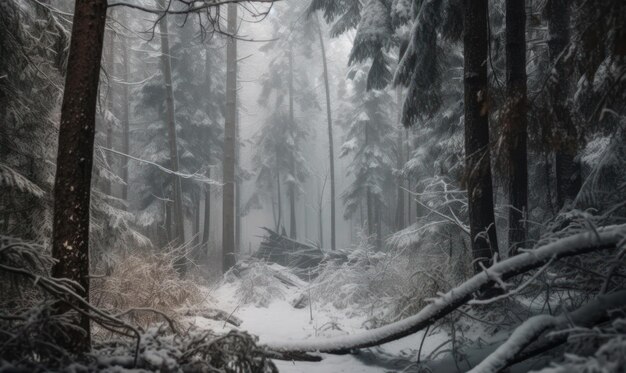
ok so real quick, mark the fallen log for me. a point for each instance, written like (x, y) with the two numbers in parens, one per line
(213, 314)
(601, 239)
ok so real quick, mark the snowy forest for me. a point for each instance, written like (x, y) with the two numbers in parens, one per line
(236, 186)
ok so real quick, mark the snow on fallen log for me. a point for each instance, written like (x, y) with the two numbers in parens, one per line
(585, 316)
(581, 243)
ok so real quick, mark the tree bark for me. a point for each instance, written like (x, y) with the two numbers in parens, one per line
(125, 114)
(400, 197)
(477, 150)
(293, 229)
(207, 193)
(179, 223)
(331, 153)
(515, 122)
(568, 172)
(196, 222)
(110, 67)
(72, 188)
(228, 198)
(207, 213)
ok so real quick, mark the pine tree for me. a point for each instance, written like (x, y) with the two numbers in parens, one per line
(370, 142)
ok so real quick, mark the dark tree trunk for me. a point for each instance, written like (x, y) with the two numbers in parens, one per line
(568, 172)
(125, 115)
(477, 152)
(72, 188)
(178, 217)
(331, 153)
(228, 199)
(515, 122)
(293, 229)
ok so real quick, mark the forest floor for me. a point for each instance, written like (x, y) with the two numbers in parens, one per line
(272, 318)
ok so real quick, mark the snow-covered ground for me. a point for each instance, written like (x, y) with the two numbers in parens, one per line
(281, 322)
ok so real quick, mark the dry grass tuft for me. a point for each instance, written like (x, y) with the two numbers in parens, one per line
(145, 280)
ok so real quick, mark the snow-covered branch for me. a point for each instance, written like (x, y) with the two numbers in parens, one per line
(581, 243)
(534, 327)
(198, 176)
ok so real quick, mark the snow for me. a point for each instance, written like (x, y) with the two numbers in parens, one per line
(281, 327)
(279, 323)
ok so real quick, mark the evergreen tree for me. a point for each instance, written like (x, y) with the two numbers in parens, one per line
(370, 142)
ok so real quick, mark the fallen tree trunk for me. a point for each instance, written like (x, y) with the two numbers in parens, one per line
(213, 314)
(577, 244)
(532, 329)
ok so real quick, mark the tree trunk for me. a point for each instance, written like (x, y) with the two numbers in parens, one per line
(515, 122)
(477, 152)
(370, 215)
(568, 172)
(280, 200)
(331, 153)
(379, 228)
(207, 213)
(207, 193)
(125, 114)
(237, 185)
(400, 198)
(72, 187)
(110, 67)
(196, 222)
(320, 226)
(228, 199)
(179, 223)
(293, 229)
(409, 204)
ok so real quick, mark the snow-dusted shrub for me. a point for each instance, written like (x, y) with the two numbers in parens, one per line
(260, 283)
(145, 279)
(384, 285)
(194, 351)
